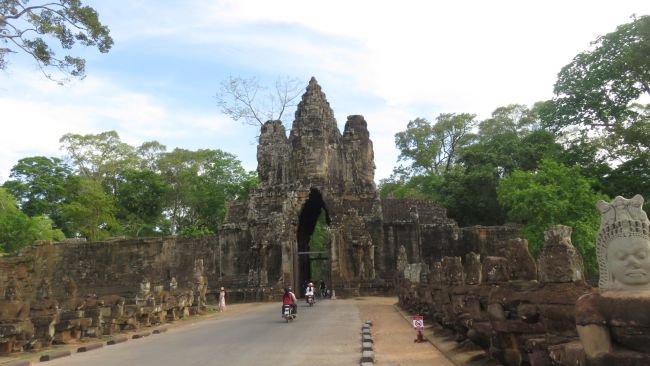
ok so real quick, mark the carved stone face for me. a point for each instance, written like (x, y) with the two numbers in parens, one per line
(629, 263)
(145, 287)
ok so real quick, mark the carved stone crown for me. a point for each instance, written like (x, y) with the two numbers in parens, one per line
(622, 218)
(624, 229)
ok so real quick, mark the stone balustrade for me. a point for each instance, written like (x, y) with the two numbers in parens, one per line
(522, 312)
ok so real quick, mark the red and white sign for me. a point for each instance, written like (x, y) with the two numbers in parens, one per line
(418, 322)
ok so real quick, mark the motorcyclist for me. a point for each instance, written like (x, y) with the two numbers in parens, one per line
(289, 298)
(309, 291)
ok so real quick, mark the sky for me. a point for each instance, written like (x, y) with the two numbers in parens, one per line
(391, 61)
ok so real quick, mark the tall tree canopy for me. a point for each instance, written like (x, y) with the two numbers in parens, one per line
(434, 148)
(113, 188)
(453, 164)
(18, 230)
(140, 199)
(553, 194)
(90, 211)
(603, 90)
(104, 156)
(25, 23)
(40, 185)
(200, 183)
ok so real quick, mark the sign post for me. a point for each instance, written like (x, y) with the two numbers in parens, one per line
(418, 325)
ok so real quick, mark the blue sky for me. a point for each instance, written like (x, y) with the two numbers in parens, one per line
(390, 61)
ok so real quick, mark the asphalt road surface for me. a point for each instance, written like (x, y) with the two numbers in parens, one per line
(326, 334)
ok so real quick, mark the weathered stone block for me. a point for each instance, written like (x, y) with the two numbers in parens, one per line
(473, 268)
(559, 261)
(495, 270)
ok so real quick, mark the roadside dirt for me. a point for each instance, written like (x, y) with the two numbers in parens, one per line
(394, 336)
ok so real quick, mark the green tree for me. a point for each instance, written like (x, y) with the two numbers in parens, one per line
(180, 172)
(468, 196)
(553, 194)
(90, 212)
(39, 183)
(600, 90)
(148, 154)
(629, 178)
(99, 156)
(222, 179)
(511, 118)
(511, 139)
(320, 242)
(24, 23)
(140, 201)
(200, 183)
(464, 177)
(18, 230)
(418, 145)
(104, 156)
(434, 149)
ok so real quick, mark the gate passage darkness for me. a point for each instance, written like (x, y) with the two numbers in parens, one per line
(306, 225)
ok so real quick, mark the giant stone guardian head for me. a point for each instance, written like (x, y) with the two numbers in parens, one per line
(624, 245)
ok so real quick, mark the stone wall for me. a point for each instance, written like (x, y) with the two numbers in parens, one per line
(115, 267)
(58, 292)
(520, 311)
(421, 227)
(486, 240)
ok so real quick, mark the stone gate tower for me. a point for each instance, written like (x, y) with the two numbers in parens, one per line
(318, 168)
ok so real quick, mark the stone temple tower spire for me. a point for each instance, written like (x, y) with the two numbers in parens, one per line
(314, 108)
(315, 139)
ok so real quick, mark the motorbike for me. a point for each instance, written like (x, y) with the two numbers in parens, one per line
(310, 300)
(287, 313)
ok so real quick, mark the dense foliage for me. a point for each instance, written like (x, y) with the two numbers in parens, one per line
(553, 194)
(320, 242)
(17, 229)
(112, 188)
(547, 164)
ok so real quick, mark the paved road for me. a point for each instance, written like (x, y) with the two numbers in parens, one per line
(326, 334)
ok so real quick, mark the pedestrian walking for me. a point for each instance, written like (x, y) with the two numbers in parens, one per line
(323, 289)
(222, 300)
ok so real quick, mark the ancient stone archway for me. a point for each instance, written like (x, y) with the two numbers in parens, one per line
(307, 220)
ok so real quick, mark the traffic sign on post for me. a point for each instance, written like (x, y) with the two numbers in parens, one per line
(418, 322)
(418, 325)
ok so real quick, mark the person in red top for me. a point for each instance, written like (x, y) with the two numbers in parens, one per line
(289, 298)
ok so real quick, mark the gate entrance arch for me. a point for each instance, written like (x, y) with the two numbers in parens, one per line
(312, 171)
(308, 257)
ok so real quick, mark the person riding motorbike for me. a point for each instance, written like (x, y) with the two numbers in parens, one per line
(289, 298)
(309, 292)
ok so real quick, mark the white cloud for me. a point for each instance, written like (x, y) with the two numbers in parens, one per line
(474, 55)
(37, 112)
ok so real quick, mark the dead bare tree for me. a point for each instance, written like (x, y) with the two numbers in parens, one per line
(252, 103)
